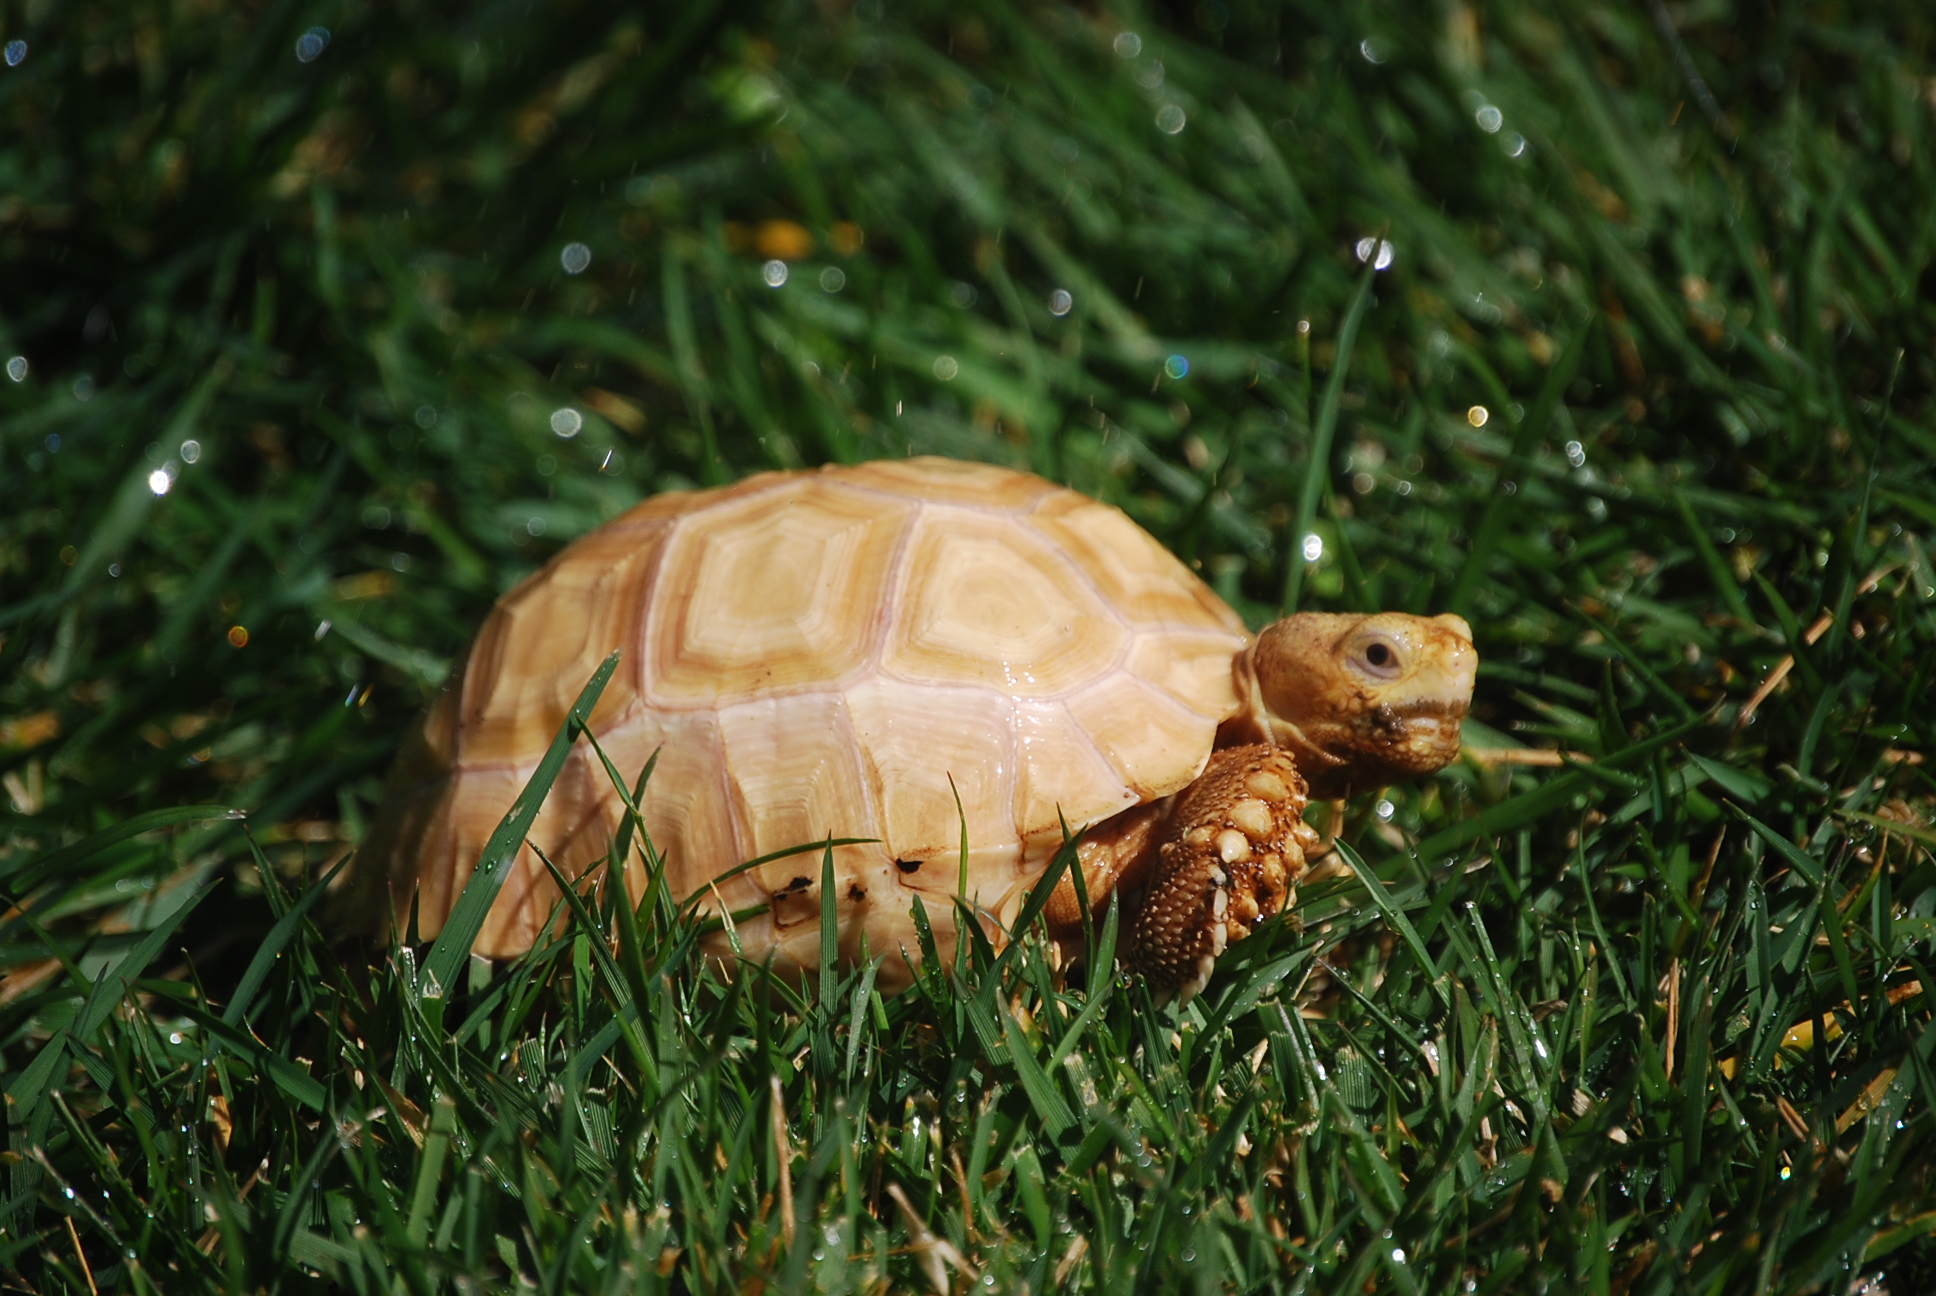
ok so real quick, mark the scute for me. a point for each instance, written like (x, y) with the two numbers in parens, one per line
(544, 640)
(1138, 577)
(1062, 777)
(982, 602)
(1155, 744)
(926, 746)
(794, 769)
(886, 651)
(771, 593)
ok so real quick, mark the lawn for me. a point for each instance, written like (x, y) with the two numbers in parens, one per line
(1607, 325)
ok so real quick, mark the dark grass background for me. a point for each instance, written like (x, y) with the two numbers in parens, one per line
(1644, 390)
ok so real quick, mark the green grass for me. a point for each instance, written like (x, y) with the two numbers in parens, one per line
(1645, 391)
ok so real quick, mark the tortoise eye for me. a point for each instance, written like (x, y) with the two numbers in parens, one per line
(1379, 659)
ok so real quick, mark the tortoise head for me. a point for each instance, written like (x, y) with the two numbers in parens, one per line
(1363, 701)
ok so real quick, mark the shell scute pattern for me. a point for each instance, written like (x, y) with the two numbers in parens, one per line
(769, 593)
(984, 602)
(553, 628)
(840, 653)
(1144, 582)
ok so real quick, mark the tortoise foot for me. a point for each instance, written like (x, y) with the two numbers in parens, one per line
(1236, 848)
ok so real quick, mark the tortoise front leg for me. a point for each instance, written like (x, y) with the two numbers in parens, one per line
(1115, 855)
(1234, 848)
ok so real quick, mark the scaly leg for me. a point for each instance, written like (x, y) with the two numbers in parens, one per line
(1234, 849)
(1113, 855)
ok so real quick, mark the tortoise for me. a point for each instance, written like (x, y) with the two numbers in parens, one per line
(904, 651)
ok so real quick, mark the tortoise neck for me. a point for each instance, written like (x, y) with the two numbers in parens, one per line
(1254, 722)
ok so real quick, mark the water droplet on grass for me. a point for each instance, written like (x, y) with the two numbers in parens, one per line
(1127, 44)
(17, 368)
(774, 273)
(1371, 53)
(1170, 119)
(1490, 119)
(1061, 302)
(833, 279)
(1313, 547)
(1386, 809)
(16, 53)
(945, 368)
(567, 422)
(576, 258)
(1478, 415)
(159, 481)
(311, 44)
(191, 451)
(1177, 366)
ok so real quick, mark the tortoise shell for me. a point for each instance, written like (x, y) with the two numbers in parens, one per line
(843, 652)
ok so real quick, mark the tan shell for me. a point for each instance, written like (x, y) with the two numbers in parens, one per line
(839, 652)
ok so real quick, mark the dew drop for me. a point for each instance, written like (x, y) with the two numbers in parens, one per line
(1061, 302)
(311, 44)
(567, 422)
(17, 366)
(774, 273)
(576, 258)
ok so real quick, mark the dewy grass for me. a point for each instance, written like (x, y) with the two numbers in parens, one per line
(306, 364)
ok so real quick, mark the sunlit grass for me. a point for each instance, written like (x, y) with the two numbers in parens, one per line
(314, 366)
